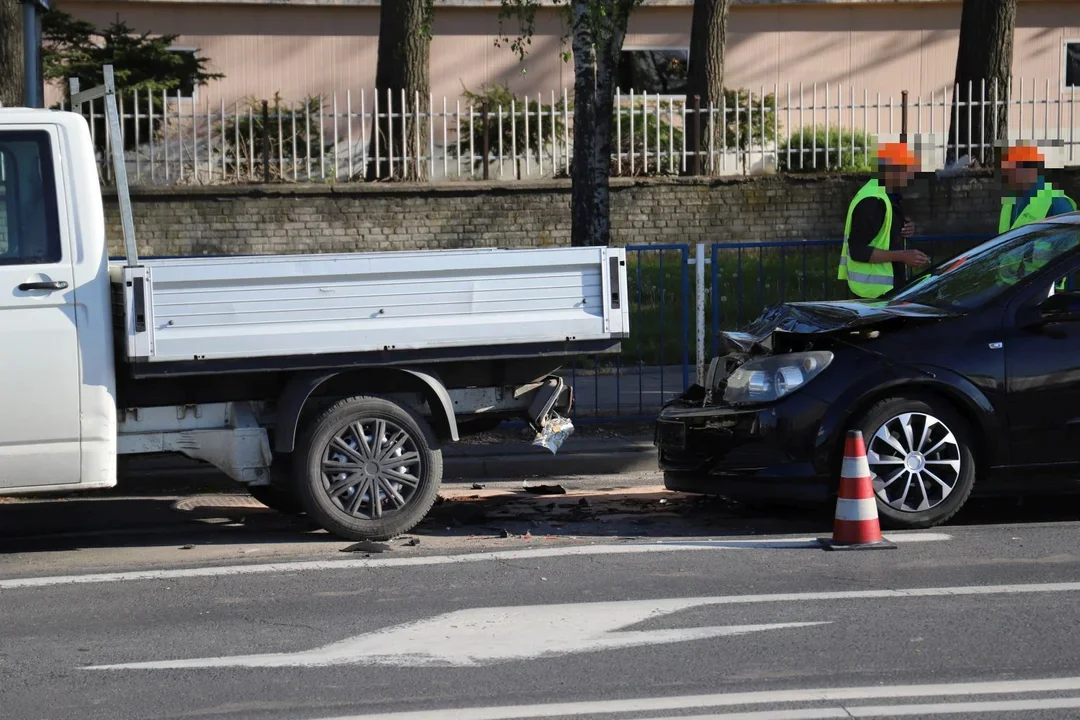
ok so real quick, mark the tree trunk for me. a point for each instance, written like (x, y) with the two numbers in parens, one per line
(705, 73)
(403, 64)
(985, 56)
(584, 192)
(11, 54)
(596, 61)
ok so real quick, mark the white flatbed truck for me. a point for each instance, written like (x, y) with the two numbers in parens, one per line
(324, 383)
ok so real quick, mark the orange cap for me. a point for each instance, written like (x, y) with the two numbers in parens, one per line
(1022, 153)
(896, 154)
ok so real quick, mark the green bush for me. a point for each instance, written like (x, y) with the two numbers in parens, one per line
(808, 151)
(513, 132)
(656, 129)
(241, 137)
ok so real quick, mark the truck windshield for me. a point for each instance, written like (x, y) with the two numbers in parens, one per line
(973, 278)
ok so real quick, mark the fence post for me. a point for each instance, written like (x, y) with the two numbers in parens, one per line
(486, 150)
(697, 135)
(699, 260)
(903, 115)
(266, 141)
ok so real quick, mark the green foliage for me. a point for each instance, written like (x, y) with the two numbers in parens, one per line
(743, 119)
(242, 137)
(499, 96)
(652, 127)
(804, 157)
(75, 48)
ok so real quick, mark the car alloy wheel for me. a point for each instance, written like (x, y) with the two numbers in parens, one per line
(915, 461)
(371, 467)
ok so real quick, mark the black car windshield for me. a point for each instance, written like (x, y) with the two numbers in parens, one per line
(972, 279)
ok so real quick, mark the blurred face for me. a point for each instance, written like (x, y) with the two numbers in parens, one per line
(1020, 178)
(897, 177)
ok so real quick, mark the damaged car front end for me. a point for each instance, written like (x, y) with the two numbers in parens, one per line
(766, 420)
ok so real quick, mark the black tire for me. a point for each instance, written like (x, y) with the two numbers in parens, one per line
(894, 511)
(368, 521)
(280, 494)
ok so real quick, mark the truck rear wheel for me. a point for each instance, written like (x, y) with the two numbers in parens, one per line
(365, 469)
(280, 495)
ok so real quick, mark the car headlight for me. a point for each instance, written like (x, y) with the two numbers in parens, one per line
(773, 377)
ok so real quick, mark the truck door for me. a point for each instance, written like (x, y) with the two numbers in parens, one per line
(39, 348)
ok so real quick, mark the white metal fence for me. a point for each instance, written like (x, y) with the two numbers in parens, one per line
(173, 140)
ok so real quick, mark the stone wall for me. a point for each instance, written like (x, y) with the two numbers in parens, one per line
(305, 218)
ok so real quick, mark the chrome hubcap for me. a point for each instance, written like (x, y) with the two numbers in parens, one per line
(914, 462)
(371, 468)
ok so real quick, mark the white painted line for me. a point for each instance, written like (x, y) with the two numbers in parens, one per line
(968, 707)
(768, 697)
(427, 560)
(878, 711)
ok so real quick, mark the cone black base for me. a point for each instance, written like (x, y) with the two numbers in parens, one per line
(830, 544)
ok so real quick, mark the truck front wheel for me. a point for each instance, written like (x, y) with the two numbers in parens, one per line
(365, 469)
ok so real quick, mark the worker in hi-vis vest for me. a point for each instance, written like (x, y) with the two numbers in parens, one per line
(1029, 198)
(874, 257)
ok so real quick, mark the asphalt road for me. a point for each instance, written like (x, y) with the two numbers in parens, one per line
(701, 611)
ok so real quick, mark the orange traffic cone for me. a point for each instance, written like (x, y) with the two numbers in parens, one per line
(856, 526)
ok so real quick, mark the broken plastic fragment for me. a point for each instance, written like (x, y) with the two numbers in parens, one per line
(554, 433)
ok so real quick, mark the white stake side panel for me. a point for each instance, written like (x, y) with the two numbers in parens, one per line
(282, 305)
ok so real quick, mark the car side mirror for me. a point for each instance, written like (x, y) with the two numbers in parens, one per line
(1060, 307)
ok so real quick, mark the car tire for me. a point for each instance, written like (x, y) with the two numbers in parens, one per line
(924, 482)
(280, 495)
(336, 469)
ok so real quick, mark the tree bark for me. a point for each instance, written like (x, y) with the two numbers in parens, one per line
(596, 61)
(985, 55)
(11, 54)
(705, 72)
(402, 69)
(584, 191)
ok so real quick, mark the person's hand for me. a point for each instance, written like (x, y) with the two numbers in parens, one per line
(908, 229)
(914, 258)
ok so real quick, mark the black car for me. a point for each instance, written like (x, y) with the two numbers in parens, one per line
(967, 378)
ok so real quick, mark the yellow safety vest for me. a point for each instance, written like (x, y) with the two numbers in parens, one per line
(867, 279)
(1036, 209)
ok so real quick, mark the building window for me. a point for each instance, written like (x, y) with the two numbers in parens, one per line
(1072, 64)
(657, 71)
(189, 67)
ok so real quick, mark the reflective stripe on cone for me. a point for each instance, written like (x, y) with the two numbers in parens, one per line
(856, 525)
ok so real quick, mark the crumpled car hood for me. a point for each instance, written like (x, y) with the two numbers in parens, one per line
(814, 318)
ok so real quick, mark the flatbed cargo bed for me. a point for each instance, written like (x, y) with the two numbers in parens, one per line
(177, 315)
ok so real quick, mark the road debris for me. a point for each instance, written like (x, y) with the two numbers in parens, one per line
(543, 489)
(366, 546)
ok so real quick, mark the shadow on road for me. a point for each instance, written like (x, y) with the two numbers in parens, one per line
(211, 510)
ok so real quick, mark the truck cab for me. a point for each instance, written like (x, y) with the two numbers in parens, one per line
(57, 378)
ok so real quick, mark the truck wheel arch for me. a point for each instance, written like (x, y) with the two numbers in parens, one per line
(300, 387)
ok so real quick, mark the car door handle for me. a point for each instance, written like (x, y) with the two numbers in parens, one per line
(44, 285)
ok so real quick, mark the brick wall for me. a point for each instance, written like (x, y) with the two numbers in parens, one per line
(288, 219)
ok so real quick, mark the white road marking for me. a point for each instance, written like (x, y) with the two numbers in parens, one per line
(483, 635)
(889, 711)
(720, 700)
(427, 560)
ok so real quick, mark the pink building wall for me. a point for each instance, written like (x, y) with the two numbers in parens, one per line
(303, 50)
